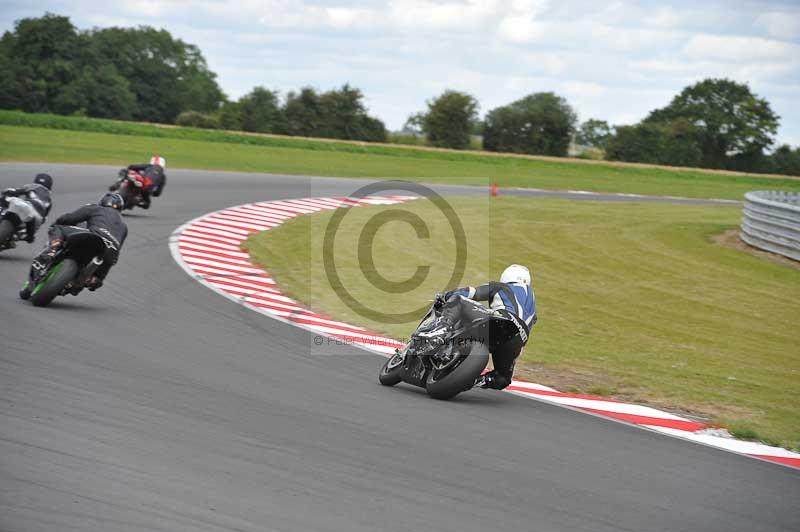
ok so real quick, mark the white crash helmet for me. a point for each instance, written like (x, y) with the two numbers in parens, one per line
(516, 274)
(159, 161)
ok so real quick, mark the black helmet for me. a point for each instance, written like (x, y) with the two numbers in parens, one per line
(113, 200)
(45, 180)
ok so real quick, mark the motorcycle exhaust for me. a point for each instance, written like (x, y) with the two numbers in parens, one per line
(87, 273)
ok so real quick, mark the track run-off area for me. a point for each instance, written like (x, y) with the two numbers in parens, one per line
(156, 404)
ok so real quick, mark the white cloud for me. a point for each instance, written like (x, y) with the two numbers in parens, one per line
(631, 40)
(551, 64)
(519, 25)
(665, 17)
(692, 70)
(520, 29)
(345, 17)
(586, 89)
(589, 34)
(780, 25)
(738, 49)
(149, 8)
(529, 7)
(429, 14)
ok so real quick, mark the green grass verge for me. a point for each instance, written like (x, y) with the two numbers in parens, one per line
(635, 300)
(51, 138)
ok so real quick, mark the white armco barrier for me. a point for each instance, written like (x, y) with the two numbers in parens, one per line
(771, 222)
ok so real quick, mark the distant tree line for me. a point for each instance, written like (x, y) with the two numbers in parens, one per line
(48, 66)
(716, 123)
(337, 114)
(144, 74)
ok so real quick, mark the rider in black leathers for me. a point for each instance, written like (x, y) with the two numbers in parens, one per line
(154, 171)
(103, 219)
(38, 195)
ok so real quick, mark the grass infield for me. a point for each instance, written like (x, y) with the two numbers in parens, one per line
(636, 301)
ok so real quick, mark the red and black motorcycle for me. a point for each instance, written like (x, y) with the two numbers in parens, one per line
(132, 186)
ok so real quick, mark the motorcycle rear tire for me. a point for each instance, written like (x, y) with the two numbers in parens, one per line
(462, 378)
(128, 197)
(54, 283)
(6, 231)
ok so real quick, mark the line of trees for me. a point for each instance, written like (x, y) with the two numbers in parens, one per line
(48, 65)
(715, 123)
(539, 124)
(338, 114)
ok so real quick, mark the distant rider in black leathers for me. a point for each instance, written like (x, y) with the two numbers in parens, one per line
(514, 298)
(103, 219)
(38, 195)
(153, 171)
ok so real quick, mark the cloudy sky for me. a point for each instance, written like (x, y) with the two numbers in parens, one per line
(613, 60)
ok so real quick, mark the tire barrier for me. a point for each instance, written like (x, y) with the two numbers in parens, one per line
(771, 221)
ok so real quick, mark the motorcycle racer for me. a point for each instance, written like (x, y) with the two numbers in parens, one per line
(513, 297)
(103, 219)
(37, 194)
(153, 174)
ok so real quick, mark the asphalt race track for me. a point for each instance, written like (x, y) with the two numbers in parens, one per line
(156, 404)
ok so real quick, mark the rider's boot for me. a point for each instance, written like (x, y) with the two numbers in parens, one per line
(484, 381)
(492, 380)
(43, 261)
(94, 283)
(25, 292)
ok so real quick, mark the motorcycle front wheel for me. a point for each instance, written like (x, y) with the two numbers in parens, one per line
(392, 371)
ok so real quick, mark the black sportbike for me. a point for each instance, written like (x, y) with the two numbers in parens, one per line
(76, 262)
(446, 356)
